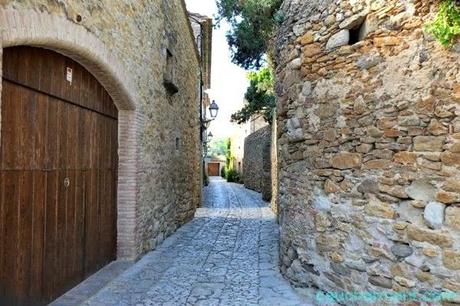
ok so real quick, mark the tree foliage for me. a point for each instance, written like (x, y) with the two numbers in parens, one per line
(229, 156)
(252, 26)
(260, 97)
(446, 26)
(218, 147)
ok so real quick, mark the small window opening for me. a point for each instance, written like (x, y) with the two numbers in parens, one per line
(169, 65)
(168, 79)
(356, 33)
(177, 143)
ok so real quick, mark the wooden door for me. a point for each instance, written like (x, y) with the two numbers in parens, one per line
(213, 169)
(58, 176)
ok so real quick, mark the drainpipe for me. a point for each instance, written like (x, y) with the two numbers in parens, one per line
(200, 40)
(202, 120)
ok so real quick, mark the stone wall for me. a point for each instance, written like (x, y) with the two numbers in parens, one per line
(274, 168)
(369, 142)
(257, 162)
(159, 185)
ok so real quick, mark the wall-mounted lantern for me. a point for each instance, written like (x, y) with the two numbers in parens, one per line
(213, 109)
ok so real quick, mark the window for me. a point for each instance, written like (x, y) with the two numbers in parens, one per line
(356, 33)
(177, 143)
(169, 74)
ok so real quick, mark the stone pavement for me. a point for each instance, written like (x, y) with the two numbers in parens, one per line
(228, 255)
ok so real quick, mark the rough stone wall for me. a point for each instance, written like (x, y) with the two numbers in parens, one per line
(369, 142)
(138, 34)
(257, 162)
(274, 168)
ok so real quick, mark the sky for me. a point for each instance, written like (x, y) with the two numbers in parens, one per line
(228, 81)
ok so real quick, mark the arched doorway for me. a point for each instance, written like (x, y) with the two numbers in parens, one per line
(58, 176)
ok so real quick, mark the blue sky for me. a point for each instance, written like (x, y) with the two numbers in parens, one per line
(228, 83)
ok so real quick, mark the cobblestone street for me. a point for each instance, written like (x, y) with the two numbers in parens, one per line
(228, 255)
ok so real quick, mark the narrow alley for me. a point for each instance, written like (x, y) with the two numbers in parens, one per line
(228, 255)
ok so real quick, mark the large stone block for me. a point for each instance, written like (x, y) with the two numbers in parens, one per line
(451, 259)
(436, 237)
(434, 215)
(429, 143)
(380, 209)
(353, 21)
(339, 39)
(453, 217)
(346, 160)
(421, 190)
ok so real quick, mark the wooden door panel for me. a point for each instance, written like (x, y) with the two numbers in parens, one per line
(2, 237)
(52, 146)
(11, 199)
(61, 233)
(24, 128)
(24, 243)
(40, 131)
(38, 237)
(10, 131)
(22, 237)
(72, 137)
(50, 267)
(107, 212)
(91, 222)
(46, 72)
(79, 228)
(58, 177)
(63, 119)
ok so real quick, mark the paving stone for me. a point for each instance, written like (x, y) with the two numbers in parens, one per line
(227, 255)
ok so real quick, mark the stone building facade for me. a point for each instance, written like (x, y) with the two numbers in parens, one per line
(257, 162)
(202, 27)
(145, 56)
(256, 123)
(368, 147)
(237, 146)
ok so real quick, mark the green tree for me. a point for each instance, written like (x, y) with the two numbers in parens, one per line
(446, 26)
(260, 97)
(228, 156)
(253, 24)
(231, 174)
(217, 147)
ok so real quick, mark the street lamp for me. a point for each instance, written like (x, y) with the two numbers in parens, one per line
(205, 123)
(210, 136)
(213, 109)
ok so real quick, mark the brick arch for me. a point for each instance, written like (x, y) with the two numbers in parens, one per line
(32, 28)
(64, 36)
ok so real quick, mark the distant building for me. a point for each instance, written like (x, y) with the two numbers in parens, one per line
(242, 131)
(214, 165)
(256, 123)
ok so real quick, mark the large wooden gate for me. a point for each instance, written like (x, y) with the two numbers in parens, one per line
(58, 176)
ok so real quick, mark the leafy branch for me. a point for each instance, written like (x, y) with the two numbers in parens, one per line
(260, 97)
(446, 26)
(253, 24)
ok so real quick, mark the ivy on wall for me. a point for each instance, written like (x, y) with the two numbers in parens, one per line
(446, 26)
